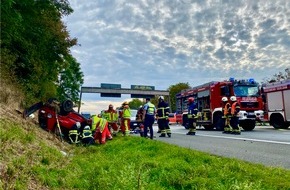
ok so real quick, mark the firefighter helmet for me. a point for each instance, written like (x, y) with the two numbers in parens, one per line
(125, 103)
(87, 128)
(224, 99)
(191, 99)
(161, 97)
(31, 116)
(233, 98)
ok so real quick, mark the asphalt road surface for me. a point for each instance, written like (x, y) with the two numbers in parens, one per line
(264, 145)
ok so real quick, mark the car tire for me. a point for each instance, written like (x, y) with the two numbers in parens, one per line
(67, 105)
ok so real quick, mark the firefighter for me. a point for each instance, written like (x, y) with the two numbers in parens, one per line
(74, 134)
(87, 137)
(192, 115)
(112, 117)
(226, 109)
(102, 130)
(126, 118)
(149, 117)
(235, 109)
(162, 114)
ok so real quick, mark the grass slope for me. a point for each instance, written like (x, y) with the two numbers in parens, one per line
(33, 159)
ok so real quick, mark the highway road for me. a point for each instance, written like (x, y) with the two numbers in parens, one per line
(264, 145)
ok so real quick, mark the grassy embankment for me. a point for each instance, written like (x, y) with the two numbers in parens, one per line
(32, 159)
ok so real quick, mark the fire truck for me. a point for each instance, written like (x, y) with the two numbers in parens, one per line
(208, 99)
(277, 107)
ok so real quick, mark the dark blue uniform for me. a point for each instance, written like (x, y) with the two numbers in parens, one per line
(163, 120)
(192, 114)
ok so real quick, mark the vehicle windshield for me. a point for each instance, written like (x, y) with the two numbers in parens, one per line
(133, 114)
(245, 90)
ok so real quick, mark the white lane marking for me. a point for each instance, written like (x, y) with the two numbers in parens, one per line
(246, 139)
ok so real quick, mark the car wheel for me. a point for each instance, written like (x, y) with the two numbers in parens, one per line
(67, 105)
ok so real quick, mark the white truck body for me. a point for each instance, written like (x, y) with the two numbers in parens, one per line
(278, 103)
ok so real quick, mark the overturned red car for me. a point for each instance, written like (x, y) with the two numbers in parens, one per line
(58, 117)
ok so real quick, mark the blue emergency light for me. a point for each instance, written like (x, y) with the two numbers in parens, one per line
(232, 79)
(251, 80)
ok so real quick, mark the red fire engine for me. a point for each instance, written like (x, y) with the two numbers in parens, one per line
(208, 99)
(277, 98)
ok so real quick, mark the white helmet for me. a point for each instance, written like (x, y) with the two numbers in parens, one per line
(87, 128)
(233, 98)
(161, 98)
(224, 99)
(31, 116)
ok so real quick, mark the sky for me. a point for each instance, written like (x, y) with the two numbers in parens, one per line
(166, 42)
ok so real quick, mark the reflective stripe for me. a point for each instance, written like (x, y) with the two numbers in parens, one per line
(111, 116)
(73, 133)
(87, 134)
(164, 112)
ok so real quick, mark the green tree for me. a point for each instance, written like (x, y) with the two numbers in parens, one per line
(135, 103)
(173, 90)
(70, 80)
(35, 47)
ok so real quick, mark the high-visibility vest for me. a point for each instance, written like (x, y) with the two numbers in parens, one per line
(126, 113)
(235, 108)
(101, 124)
(226, 109)
(95, 120)
(111, 115)
(150, 109)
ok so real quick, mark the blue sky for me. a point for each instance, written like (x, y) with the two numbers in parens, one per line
(162, 43)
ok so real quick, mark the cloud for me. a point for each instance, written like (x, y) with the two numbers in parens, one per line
(161, 43)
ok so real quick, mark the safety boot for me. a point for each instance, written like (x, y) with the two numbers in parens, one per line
(162, 135)
(169, 135)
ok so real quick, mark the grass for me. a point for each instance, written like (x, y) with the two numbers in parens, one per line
(32, 159)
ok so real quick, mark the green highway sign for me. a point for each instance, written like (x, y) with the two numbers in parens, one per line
(142, 87)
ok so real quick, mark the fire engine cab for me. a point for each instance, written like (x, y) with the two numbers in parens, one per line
(208, 99)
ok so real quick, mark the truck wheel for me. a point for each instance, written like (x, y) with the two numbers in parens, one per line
(217, 121)
(248, 125)
(277, 121)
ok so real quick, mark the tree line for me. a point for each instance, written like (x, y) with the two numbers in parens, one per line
(35, 49)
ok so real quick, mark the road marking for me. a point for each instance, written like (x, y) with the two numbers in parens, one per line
(245, 139)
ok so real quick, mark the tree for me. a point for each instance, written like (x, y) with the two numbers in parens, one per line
(70, 80)
(36, 46)
(279, 76)
(135, 103)
(173, 90)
